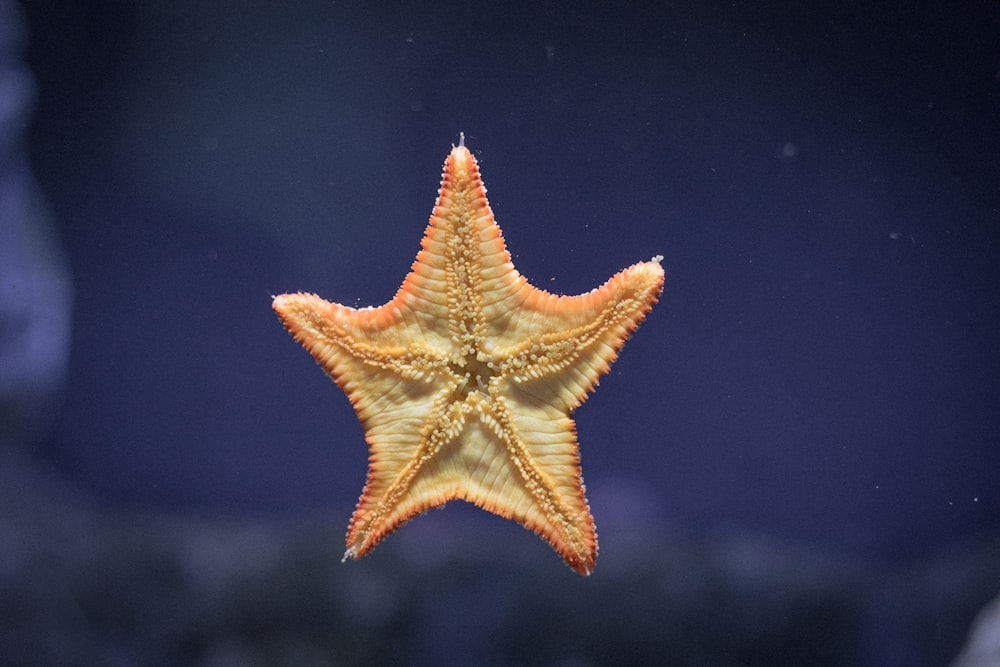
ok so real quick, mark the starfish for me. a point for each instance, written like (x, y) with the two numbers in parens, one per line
(466, 381)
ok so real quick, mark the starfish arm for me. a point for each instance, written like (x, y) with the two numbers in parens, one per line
(347, 341)
(543, 489)
(580, 336)
(404, 475)
(463, 266)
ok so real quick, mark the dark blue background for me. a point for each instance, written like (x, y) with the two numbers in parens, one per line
(822, 182)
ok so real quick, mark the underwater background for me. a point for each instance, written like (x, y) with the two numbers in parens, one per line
(794, 460)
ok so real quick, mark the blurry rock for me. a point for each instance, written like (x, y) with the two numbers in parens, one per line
(983, 647)
(920, 614)
(82, 584)
(34, 282)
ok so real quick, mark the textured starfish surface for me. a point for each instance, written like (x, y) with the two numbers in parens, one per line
(465, 382)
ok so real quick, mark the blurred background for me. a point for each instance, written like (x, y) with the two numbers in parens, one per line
(794, 461)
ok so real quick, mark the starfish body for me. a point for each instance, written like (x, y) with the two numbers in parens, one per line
(465, 382)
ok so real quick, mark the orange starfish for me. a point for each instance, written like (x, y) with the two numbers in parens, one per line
(466, 381)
